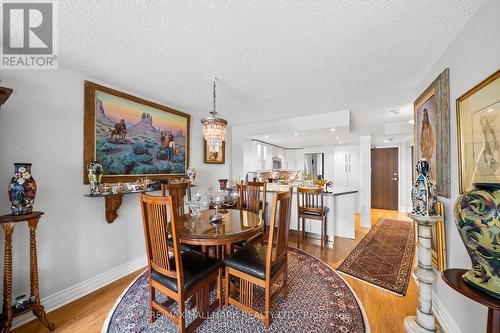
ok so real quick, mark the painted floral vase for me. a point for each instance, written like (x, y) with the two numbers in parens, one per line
(22, 190)
(95, 171)
(478, 222)
(424, 194)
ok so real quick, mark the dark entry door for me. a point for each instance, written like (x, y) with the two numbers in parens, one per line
(385, 178)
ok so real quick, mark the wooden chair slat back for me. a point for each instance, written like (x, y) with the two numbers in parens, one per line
(178, 192)
(279, 228)
(310, 199)
(254, 192)
(242, 190)
(155, 212)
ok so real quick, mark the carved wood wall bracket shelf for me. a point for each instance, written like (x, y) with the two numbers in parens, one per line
(112, 202)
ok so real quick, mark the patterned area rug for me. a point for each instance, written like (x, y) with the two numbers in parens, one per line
(319, 300)
(384, 257)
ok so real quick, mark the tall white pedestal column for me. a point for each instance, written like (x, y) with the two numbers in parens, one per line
(424, 322)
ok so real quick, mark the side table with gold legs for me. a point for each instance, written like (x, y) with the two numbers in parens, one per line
(8, 312)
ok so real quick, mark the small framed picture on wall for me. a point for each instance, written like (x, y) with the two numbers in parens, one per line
(214, 157)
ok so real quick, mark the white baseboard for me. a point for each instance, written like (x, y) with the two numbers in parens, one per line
(81, 289)
(443, 316)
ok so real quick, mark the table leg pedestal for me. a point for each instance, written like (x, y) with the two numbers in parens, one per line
(424, 322)
(7, 279)
(38, 309)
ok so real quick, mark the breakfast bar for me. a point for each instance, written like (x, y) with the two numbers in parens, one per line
(341, 203)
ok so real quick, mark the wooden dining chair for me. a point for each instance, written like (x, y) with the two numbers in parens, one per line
(176, 274)
(261, 265)
(253, 198)
(178, 192)
(310, 206)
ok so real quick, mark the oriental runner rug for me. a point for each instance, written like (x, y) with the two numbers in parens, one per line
(384, 257)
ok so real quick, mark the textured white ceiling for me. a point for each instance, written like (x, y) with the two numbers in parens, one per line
(274, 59)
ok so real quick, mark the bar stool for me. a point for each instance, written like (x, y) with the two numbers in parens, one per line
(310, 206)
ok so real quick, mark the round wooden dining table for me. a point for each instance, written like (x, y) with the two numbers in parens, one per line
(237, 225)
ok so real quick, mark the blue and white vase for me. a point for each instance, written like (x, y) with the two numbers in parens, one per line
(424, 194)
(22, 190)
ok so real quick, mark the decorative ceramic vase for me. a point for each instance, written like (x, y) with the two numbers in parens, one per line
(223, 184)
(424, 195)
(191, 174)
(478, 222)
(95, 171)
(22, 190)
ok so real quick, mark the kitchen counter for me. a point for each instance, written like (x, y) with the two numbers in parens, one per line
(272, 187)
(340, 218)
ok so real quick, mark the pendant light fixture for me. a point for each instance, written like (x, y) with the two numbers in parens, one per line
(214, 128)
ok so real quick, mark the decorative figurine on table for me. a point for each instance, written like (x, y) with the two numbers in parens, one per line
(478, 221)
(424, 195)
(22, 190)
(95, 171)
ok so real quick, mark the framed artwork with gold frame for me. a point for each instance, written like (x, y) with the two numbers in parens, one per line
(214, 158)
(133, 138)
(478, 134)
(438, 241)
(432, 131)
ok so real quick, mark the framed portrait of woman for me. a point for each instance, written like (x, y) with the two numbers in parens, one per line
(432, 131)
(478, 121)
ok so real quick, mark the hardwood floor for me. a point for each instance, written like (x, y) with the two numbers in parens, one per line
(385, 311)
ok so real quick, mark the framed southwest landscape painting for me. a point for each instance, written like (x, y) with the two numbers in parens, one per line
(132, 137)
(478, 115)
(215, 157)
(432, 131)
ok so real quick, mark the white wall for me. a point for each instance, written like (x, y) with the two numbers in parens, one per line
(42, 123)
(472, 56)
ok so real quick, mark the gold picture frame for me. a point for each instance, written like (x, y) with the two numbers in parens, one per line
(478, 134)
(438, 241)
(432, 131)
(148, 131)
(214, 158)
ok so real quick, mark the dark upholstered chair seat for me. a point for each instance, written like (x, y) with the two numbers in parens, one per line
(313, 213)
(184, 247)
(252, 260)
(196, 267)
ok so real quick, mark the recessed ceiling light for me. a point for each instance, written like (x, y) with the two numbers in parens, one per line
(388, 140)
(490, 110)
(394, 111)
(295, 133)
(385, 140)
(340, 142)
(411, 121)
(332, 129)
(337, 137)
(266, 136)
